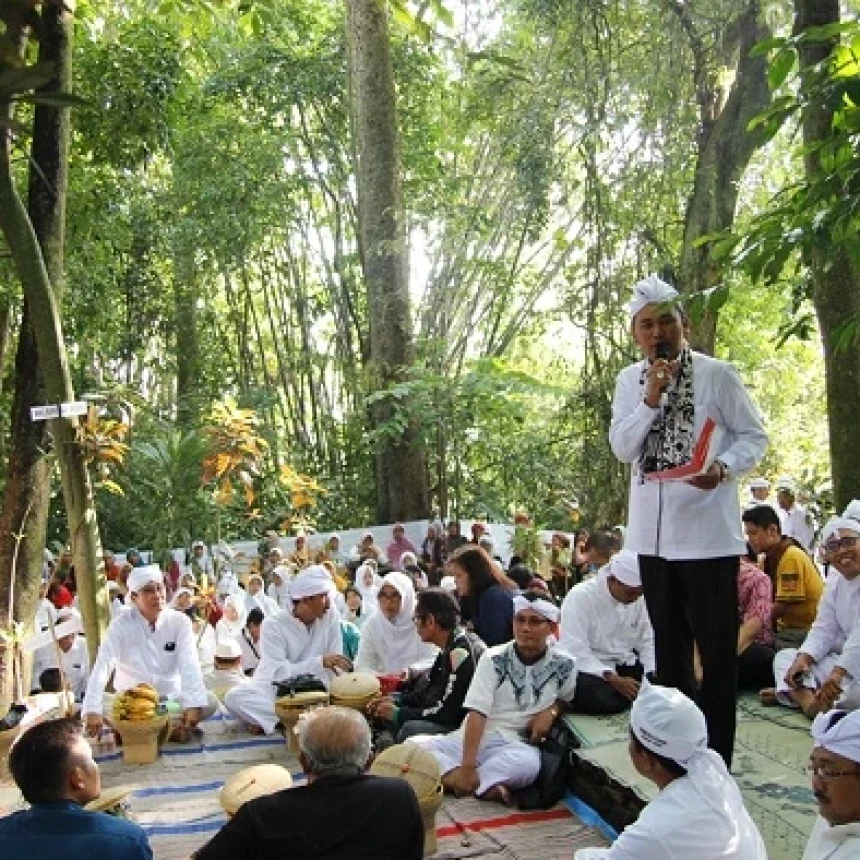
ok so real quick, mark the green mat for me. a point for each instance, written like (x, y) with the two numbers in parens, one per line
(771, 749)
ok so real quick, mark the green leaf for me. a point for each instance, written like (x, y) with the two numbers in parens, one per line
(779, 68)
(767, 45)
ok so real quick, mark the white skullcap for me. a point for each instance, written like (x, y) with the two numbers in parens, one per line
(544, 608)
(408, 559)
(839, 732)
(276, 550)
(784, 482)
(68, 621)
(310, 582)
(651, 291)
(759, 484)
(838, 523)
(668, 723)
(830, 529)
(113, 585)
(140, 577)
(198, 543)
(624, 566)
(852, 510)
(227, 649)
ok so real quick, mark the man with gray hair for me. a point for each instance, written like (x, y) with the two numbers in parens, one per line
(342, 813)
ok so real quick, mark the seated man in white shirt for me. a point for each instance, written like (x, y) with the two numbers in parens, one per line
(227, 672)
(825, 671)
(303, 640)
(73, 652)
(834, 766)
(605, 628)
(148, 643)
(249, 640)
(515, 696)
(699, 813)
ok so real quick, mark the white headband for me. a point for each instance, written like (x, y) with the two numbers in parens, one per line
(542, 607)
(668, 723)
(650, 291)
(140, 577)
(624, 566)
(840, 736)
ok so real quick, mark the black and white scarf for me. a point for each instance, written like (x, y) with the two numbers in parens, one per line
(670, 440)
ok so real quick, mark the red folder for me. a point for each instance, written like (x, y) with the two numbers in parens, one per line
(704, 453)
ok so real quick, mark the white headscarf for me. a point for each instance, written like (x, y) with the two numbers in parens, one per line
(280, 593)
(368, 592)
(669, 724)
(650, 291)
(179, 593)
(233, 628)
(400, 639)
(839, 732)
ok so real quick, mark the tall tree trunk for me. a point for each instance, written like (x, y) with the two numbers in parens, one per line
(400, 474)
(835, 278)
(187, 348)
(38, 260)
(724, 150)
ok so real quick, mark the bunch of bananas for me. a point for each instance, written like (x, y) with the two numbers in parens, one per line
(137, 704)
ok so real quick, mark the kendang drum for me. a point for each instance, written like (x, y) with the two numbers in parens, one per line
(354, 690)
(251, 783)
(421, 770)
(113, 801)
(290, 709)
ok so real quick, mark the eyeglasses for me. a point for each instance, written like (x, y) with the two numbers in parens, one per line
(823, 772)
(530, 621)
(835, 544)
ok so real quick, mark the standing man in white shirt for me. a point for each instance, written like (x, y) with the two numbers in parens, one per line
(148, 643)
(304, 639)
(834, 767)
(687, 534)
(796, 521)
(605, 628)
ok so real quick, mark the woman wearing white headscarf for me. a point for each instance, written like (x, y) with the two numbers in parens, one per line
(389, 640)
(368, 582)
(699, 813)
(279, 587)
(182, 599)
(232, 622)
(256, 597)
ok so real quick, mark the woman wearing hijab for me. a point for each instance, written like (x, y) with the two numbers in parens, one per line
(279, 587)
(367, 582)
(256, 597)
(182, 599)
(232, 621)
(389, 640)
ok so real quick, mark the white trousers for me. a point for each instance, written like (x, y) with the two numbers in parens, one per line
(253, 703)
(500, 761)
(812, 679)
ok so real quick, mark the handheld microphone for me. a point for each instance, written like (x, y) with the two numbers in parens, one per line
(663, 350)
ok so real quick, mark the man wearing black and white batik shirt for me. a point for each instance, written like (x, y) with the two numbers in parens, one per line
(515, 696)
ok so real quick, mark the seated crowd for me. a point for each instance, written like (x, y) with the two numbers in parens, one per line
(487, 659)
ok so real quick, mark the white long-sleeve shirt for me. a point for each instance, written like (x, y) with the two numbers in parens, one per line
(679, 824)
(836, 629)
(76, 665)
(675, 520)
(289, 647)
(797, 523)
(164, 656)
(833, 842)
(600, 633)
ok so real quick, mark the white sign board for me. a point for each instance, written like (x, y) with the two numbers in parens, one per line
(43, 413)
(58, 410)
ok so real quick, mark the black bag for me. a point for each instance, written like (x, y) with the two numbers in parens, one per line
(300, 684)
(555, 764)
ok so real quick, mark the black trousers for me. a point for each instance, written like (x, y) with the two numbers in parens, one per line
(697, 601)
(594, 695)
(755, 667)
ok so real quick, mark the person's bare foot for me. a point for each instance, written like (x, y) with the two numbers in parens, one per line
(253, 729)
(499, 793)
(768, 697)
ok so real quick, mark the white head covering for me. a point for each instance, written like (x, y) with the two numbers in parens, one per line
(787, 484)
(140, 577)
(408, 559)
(310, 582)
(624, 566)
(839, 732)
(368, 592)
(651, 291)
(233, 628)
(759, 484)
(400, 641)
(227, 648)
(179, 593)
(68, 621)
(852, 510)
(544, 608)
(669, 724)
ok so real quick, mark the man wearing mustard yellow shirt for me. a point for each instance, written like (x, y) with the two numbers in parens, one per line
(797, 584)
